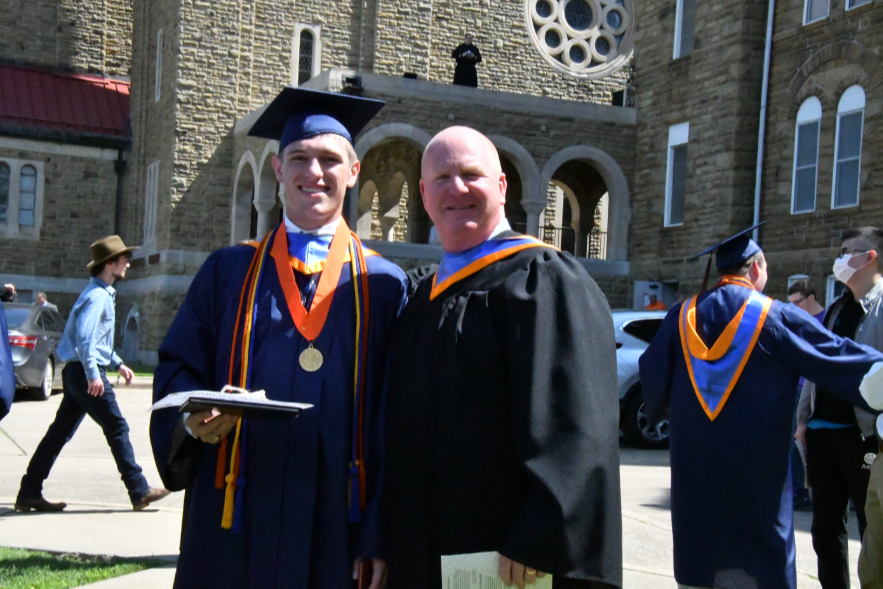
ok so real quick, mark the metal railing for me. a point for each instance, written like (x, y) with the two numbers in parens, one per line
(564, 238)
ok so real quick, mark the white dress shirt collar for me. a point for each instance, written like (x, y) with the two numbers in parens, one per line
(329, 229)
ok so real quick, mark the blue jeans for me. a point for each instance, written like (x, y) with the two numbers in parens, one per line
(104, 410)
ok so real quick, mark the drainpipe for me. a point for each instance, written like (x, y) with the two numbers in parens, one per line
(119, 167)
(771, 12)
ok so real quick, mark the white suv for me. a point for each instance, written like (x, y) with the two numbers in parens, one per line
(634, 332)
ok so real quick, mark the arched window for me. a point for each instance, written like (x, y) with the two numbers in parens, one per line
(27, 196)
(806, 156)
(4, 191)
(848, 147)
(305, 57)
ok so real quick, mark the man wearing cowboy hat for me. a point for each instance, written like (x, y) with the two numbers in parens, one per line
(87, 347)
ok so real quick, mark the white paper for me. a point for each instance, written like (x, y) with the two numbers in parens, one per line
(478, 571)
(871, 387)
(257, 399)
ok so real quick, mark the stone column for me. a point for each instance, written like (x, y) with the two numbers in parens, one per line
(533, 210)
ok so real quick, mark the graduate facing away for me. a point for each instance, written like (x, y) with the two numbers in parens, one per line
(304, 314)
(502, 414)
(727, 362)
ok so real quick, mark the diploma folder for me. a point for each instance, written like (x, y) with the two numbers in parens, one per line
(251, 406)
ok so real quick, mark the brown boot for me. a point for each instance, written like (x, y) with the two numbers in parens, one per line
(37, 504)
(154, 494)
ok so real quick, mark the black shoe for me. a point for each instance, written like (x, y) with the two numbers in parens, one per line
(802, 503)
(152, 495)
(37, 504)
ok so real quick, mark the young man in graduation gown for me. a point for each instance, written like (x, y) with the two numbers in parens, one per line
(502, 413)
(727, 362)
(304, 315)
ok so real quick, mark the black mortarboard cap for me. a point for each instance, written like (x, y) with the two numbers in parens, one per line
(299, 113)
(731, 252)
(734, 250)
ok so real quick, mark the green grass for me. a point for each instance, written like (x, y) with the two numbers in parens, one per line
(26, 569)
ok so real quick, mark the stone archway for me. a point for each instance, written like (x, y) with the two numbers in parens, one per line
(586, 160)
(402, 134)
(267, 201)
(528, 172)
(243, 220)
(131, 335)
(390, 156)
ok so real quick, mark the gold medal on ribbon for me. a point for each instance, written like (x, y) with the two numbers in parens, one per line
(311, 359)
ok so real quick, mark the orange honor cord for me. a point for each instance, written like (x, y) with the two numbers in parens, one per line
(221, 465)
(310, 324)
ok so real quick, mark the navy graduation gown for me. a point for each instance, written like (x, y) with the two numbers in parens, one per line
(731, 495)
(503, 424)
(7, 370)
(296, 531)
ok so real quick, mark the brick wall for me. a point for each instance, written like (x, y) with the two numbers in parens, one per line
(78, 208)
(70, 34)
(821, 59)
(717, 90)
(419, 35)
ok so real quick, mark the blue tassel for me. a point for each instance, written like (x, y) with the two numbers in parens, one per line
(355, 494)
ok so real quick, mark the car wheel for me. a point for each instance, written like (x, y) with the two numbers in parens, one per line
(44, 391)
(637, 426)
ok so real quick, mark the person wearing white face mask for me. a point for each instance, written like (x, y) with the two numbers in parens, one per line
(859, 268)
(840, 439)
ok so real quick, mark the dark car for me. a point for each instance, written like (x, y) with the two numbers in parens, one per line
(34, 335)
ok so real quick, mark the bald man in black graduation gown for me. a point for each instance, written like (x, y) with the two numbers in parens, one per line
(502, 429)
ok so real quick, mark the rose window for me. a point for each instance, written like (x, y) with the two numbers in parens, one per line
(585, 38)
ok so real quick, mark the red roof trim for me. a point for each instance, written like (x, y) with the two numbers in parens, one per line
(78, 103)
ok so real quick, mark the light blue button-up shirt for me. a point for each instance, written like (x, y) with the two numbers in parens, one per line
(88, 334)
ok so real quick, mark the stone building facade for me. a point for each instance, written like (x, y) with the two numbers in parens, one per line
(201, 72)
(69, 35)
(634, 192)
(825, 54)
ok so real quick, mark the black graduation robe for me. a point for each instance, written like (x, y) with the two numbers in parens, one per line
(465, 73)
(502, 431)
(296, 531)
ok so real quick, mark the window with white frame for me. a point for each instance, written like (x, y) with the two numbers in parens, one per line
(806, 156)
(27, 196)
(676, 174)
(150, 202)
(850, 4)
(848, 148)
(685, 28)
(157, 76)
(21, 198)
(815, 10)
(306, 54)
(795, 277)
(833, 289)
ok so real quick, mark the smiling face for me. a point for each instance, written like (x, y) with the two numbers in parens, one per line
(463, 187)
(316, 173)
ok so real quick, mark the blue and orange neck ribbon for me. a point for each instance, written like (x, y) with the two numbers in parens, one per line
(344, 247)
(715, 371)
(457, 267)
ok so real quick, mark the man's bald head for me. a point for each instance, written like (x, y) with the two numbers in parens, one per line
(463, 187)
(464, 138)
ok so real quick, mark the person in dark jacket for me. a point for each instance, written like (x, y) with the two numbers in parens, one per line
(467, 56)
